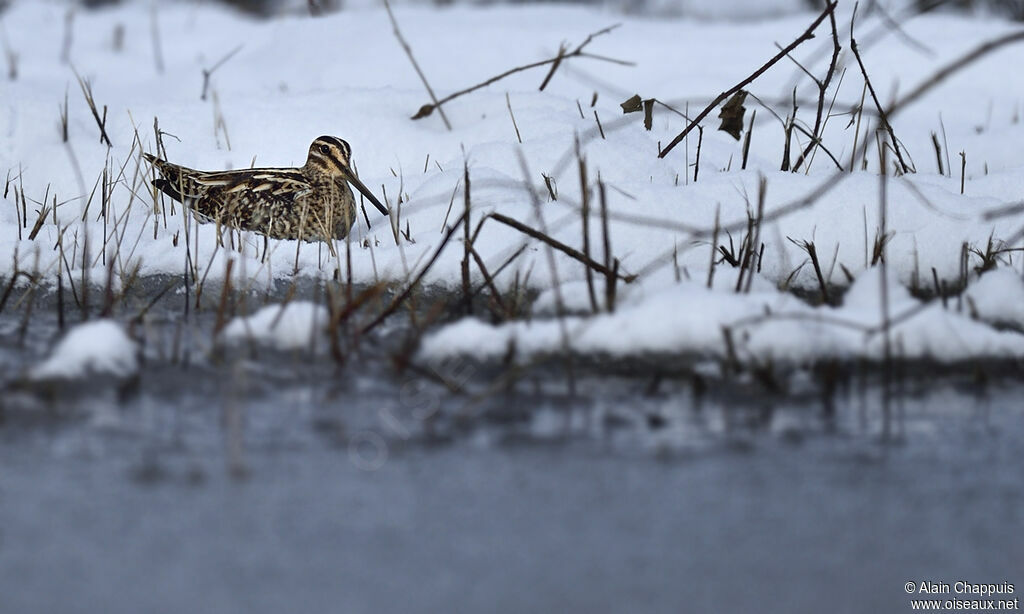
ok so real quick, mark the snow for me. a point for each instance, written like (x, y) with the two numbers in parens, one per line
(292, 326)
(688, 319)
(294, 78)
(998, 297)
(97, 347)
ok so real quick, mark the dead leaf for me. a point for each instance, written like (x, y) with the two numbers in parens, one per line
(632, 105)
(424, 111)
(731, 115)
(648, 113)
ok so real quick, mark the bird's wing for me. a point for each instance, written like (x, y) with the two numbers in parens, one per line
(282, 183)
(175, 180)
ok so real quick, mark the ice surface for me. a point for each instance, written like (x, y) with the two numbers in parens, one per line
(99, 347)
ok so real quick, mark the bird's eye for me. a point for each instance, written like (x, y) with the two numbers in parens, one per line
(325, 149)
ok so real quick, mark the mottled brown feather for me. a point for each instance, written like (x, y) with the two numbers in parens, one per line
(313, 202)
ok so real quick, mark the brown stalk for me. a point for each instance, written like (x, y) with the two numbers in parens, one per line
(963, 170)
(87, 92)
(466, 242)
(812, 252)
(562, 247)
(882, 116)
(504, 265)
(822, 90)
(398, 300)
(508, 103)
(489, 282)
(883, 186)
(585, 214)
(555, 282)
(746, 140)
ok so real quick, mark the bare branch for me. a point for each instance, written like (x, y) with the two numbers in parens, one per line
(423, 78)
(556, 61)
(562, 247)
(878, 105)
(806, 36)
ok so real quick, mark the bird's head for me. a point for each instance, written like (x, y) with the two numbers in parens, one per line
(332, 156)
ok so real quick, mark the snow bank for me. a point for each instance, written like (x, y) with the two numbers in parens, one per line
(998, 297)
(286, 327)
(99, 347)
(688, 319)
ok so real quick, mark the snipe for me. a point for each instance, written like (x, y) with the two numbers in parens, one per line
(313, 202)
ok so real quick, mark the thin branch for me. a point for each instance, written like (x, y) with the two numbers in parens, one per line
(822, 90)
(208, 72)
(806, 36)
(398, 300)
(940, 75)
(562, 55)
(874, 97)
(562, 247)
(423, 78)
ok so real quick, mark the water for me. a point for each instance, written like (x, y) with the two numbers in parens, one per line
(260, 481)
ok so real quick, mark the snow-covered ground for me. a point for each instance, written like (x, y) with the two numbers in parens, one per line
(291, 79)
(764, 327)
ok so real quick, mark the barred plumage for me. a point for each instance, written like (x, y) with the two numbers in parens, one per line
(313, 202)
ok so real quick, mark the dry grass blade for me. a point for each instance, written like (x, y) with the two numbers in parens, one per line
(101, 122)
(508, 103)
(812, 252)
(64, 118)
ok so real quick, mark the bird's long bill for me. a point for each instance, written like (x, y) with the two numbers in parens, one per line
(367, 193)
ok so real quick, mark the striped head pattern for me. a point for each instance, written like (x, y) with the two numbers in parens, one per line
(330, 155)
(333, 157)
